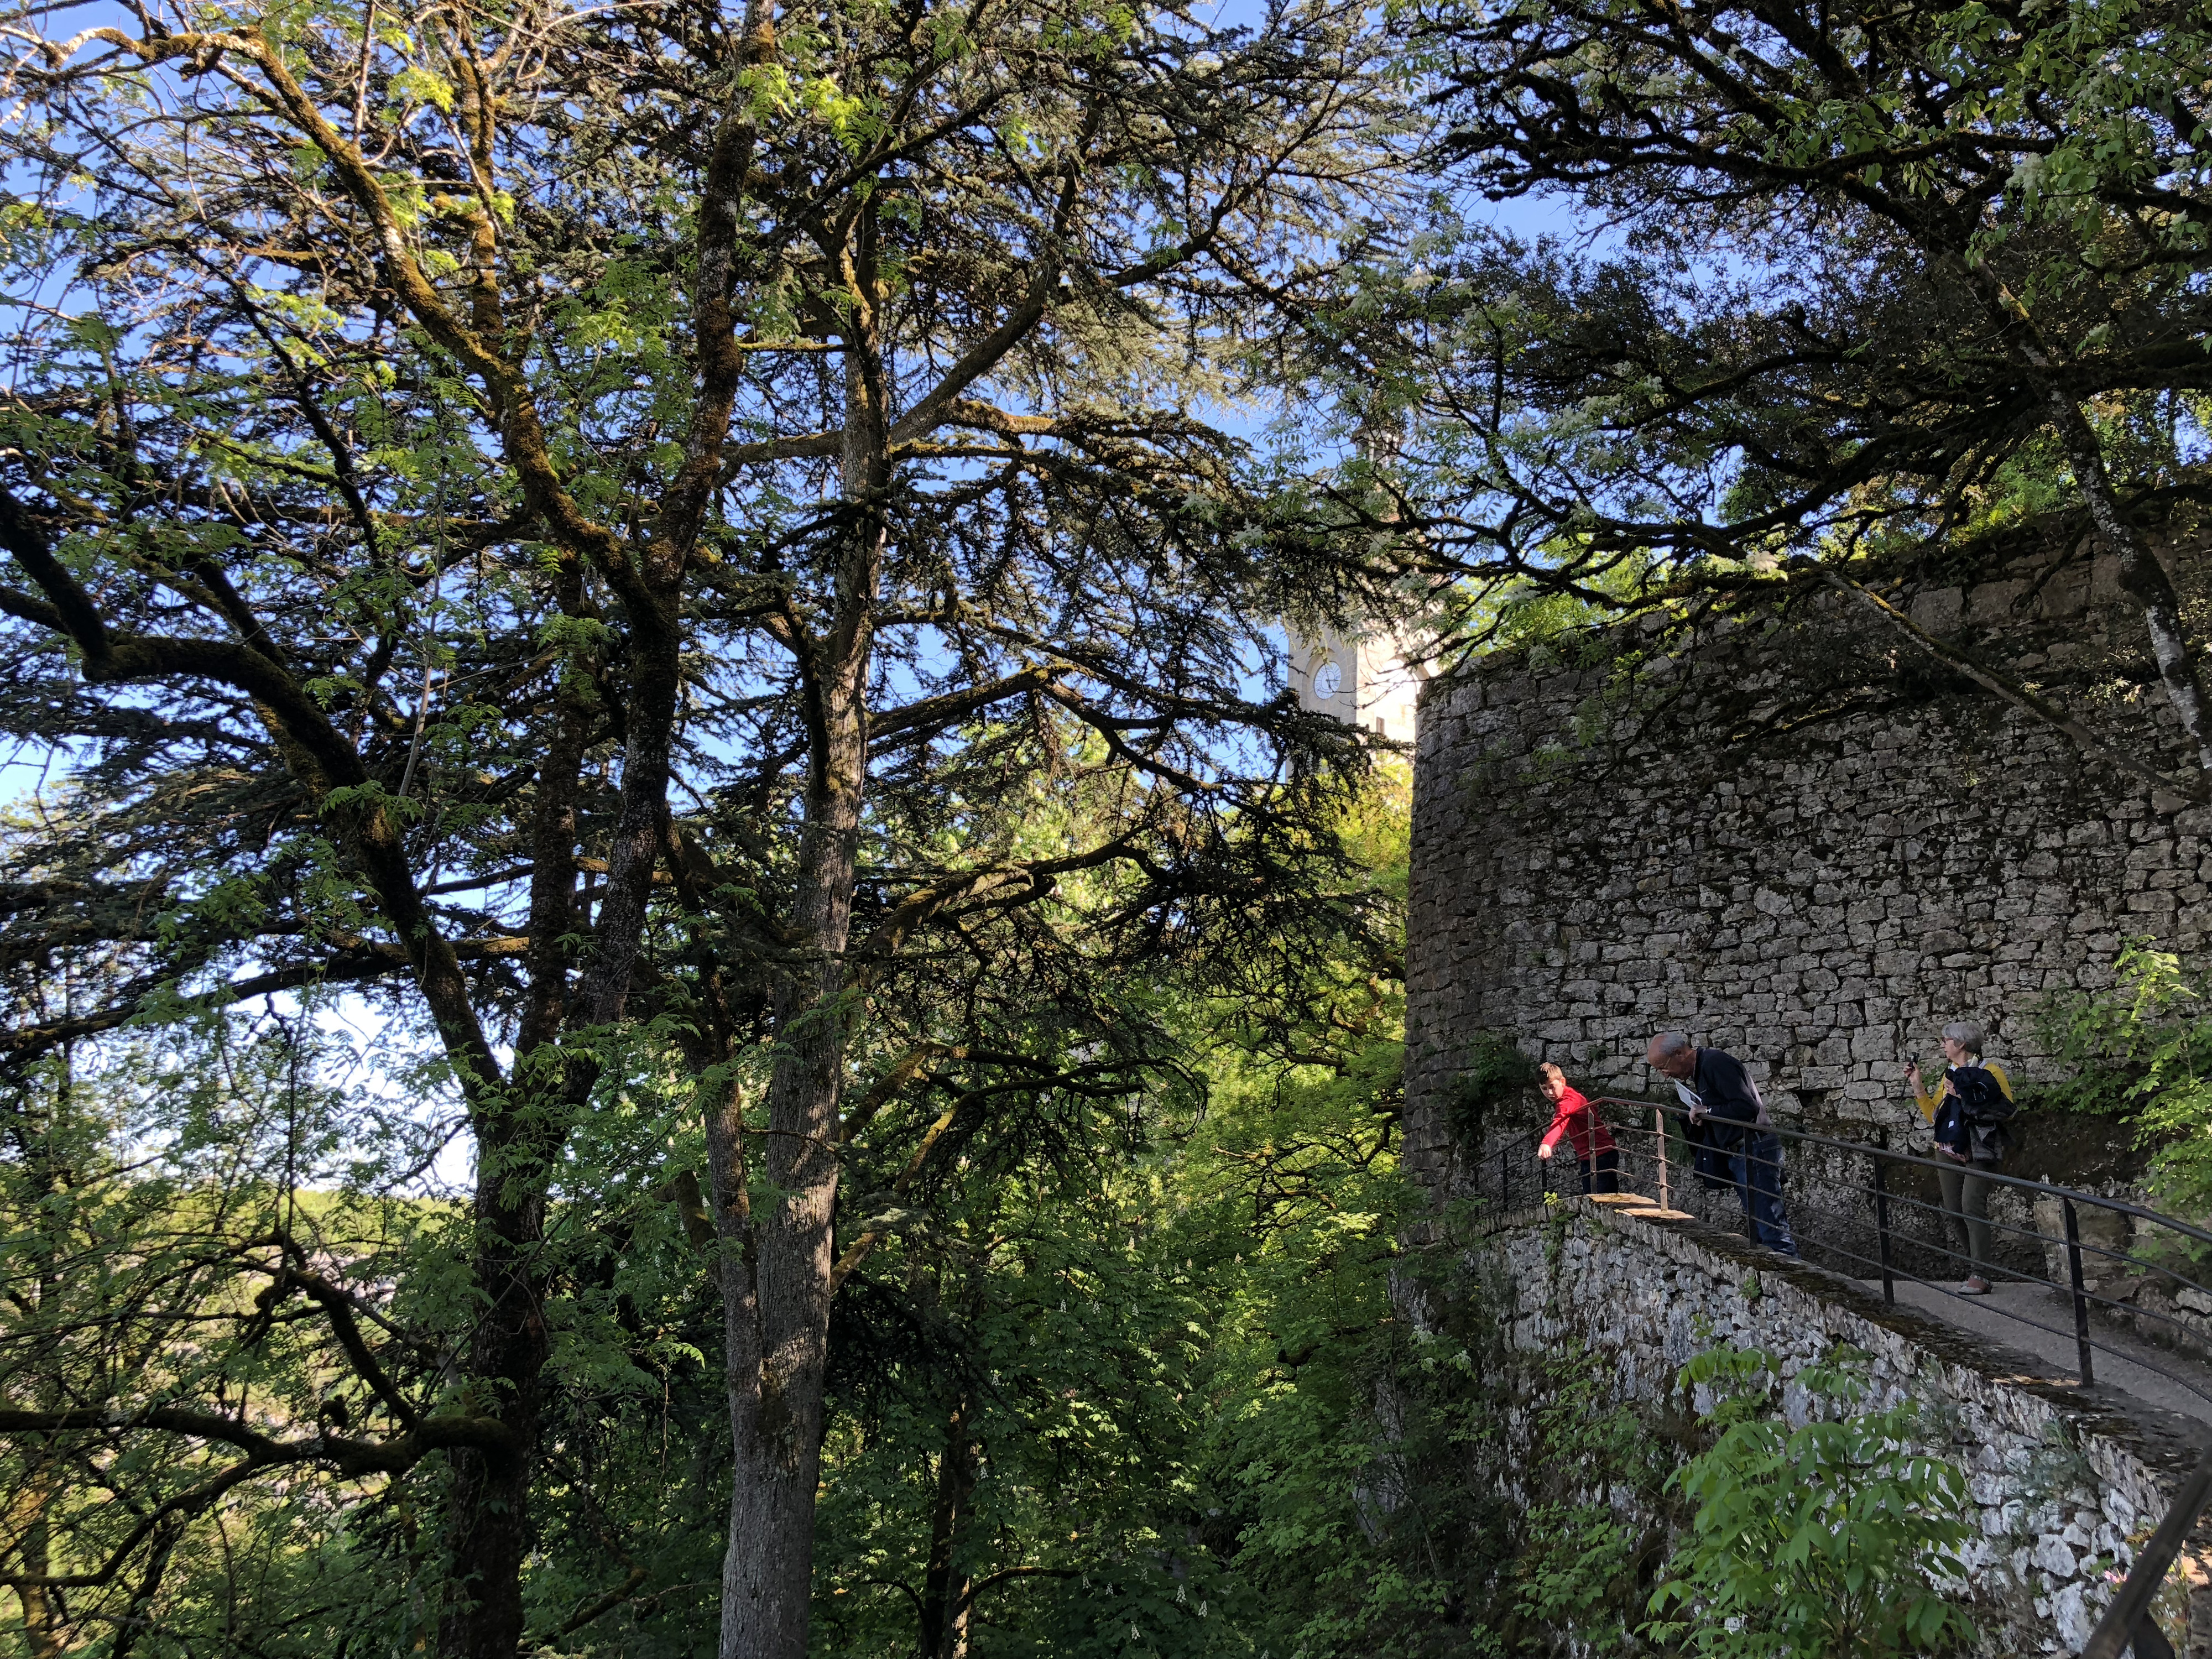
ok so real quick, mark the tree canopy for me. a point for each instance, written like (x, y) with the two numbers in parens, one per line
(1851, 282)
(661, 545)
(681, 977)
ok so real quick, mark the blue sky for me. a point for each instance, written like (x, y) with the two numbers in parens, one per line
(26, 769)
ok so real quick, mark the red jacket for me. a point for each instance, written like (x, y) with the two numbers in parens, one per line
(1573, 1117)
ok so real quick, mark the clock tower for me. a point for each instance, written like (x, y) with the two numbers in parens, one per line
(1366, 683)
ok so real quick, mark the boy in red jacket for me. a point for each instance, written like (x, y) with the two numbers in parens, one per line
(1595, 1155)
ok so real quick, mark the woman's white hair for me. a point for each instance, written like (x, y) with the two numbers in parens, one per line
(1966, 1035)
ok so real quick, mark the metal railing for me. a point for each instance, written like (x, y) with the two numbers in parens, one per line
(1879, 1231)
(1865, 1225)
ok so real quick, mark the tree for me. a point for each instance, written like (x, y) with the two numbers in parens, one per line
(157, 1380)
(1867, 279)
(416, 410)
(1053, 1391)
(1016, 1393)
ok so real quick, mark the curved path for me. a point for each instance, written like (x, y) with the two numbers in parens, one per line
(2039, 1323)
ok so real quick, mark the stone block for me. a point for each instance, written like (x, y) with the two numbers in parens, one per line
(1991, 604)
(2053, 1556)
(1938, 610)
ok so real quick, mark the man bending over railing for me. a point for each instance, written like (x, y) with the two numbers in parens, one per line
(1728, 1111)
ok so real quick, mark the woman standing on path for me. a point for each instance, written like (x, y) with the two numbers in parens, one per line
(1595, 1155)
(1968, 1106)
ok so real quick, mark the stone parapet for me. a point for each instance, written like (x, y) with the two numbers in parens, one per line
(2067, 1481)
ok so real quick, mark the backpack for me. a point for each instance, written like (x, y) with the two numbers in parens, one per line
(1984, 1107)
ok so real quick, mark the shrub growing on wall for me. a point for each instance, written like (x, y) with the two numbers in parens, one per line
(1834, 1540)
(1495, 1071)
(2144, 1050)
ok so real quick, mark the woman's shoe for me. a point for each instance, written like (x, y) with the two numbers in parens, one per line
(1975, 1285)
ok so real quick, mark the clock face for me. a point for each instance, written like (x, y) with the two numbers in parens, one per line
(1326, 678)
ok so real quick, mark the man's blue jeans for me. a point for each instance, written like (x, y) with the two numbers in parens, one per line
(1756, 1169)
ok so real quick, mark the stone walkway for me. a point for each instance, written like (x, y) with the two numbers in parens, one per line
(2039, 1323)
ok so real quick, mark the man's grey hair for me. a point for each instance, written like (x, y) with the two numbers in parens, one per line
(1671, 1043)
(1966, 1035)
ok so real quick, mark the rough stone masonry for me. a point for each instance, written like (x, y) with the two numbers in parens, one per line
(1779, 824)
(2063, 1484)
(1783, 827)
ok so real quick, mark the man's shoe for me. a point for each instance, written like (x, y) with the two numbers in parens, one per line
(1975, 1285)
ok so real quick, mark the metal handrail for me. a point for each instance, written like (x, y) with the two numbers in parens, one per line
(2127, 1620)
(2077, 1290)
(1807, 1137)
(1883, 1156)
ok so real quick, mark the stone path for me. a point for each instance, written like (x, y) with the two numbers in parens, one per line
(2039, 1323)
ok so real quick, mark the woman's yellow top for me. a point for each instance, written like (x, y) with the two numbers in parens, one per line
(1929, 1101)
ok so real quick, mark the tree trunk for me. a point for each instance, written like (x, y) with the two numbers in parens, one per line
(487, 1527)
(2140, 574)
(945, 1598)
(778, 1283)
(43, 1636)
(778, 1316)
(488, 1524)
(45, 1633)
(779, 1313)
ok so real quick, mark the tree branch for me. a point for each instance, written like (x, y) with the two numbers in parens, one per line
(2195, 789)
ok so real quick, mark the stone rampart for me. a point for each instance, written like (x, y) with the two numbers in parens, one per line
(2066, 1482)
(1790, 831)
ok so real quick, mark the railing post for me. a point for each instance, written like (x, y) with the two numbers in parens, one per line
(1882, 1227)
(2127, 1619)
(2080, 1298)
(1659, 1125)
(1741, 1158)
(1504, 1179)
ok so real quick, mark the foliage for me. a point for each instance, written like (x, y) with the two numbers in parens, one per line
(1495, 1071)
(1582, 1562)
(1138, 1386)
(702, 574)
(1018, 1470)
(1431, 1494)
(1833, 1540)
(2143, 1049)
(690, 564)
(1044, 1388)
(1859, 286)
(1185, 1411)
(153, 1200)
(1819, 195)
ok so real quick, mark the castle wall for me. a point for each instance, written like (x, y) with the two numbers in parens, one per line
(1794, 835)
(2065, 1483)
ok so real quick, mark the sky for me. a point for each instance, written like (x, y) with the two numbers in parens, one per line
(25, 769)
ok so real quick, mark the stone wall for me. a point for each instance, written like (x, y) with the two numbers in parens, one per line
(2066, 1483)
(1791, 832)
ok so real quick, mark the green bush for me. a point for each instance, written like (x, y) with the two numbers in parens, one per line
(2144, 1050)
(1830, 1541)
(1495, 1071)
